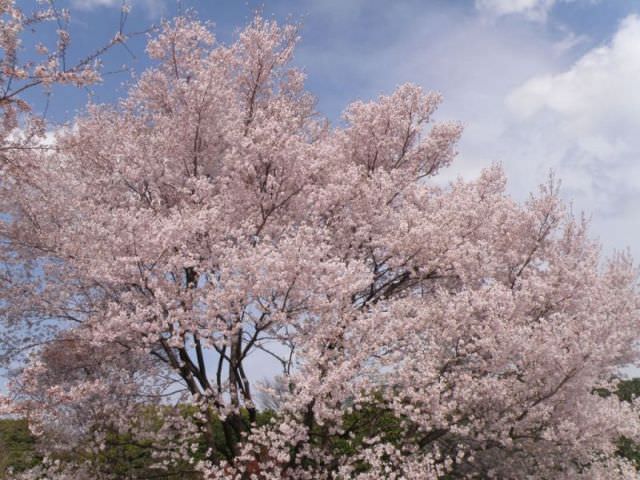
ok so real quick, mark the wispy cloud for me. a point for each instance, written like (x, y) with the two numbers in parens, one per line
(583, 121)
(593, 100)
(154, 8)
(532, 9)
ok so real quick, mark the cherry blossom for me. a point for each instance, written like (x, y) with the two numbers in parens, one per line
(212, 215)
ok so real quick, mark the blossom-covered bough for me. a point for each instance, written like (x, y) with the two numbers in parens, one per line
(423, 331)
(25, 67)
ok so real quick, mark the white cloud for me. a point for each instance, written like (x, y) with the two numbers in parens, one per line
(583, 122)
(569, 41)
(91, 4)
(533, 9)
(152, 7)
(595, 102)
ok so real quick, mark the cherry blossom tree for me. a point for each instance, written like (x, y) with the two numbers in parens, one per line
(423, 331)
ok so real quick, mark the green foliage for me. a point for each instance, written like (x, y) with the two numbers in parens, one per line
(630, 450)
(627, 391)
(123, 455)
(368, 421)
(17, 447)
(130, 458)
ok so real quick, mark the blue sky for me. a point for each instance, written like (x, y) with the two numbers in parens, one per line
(539, 84)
